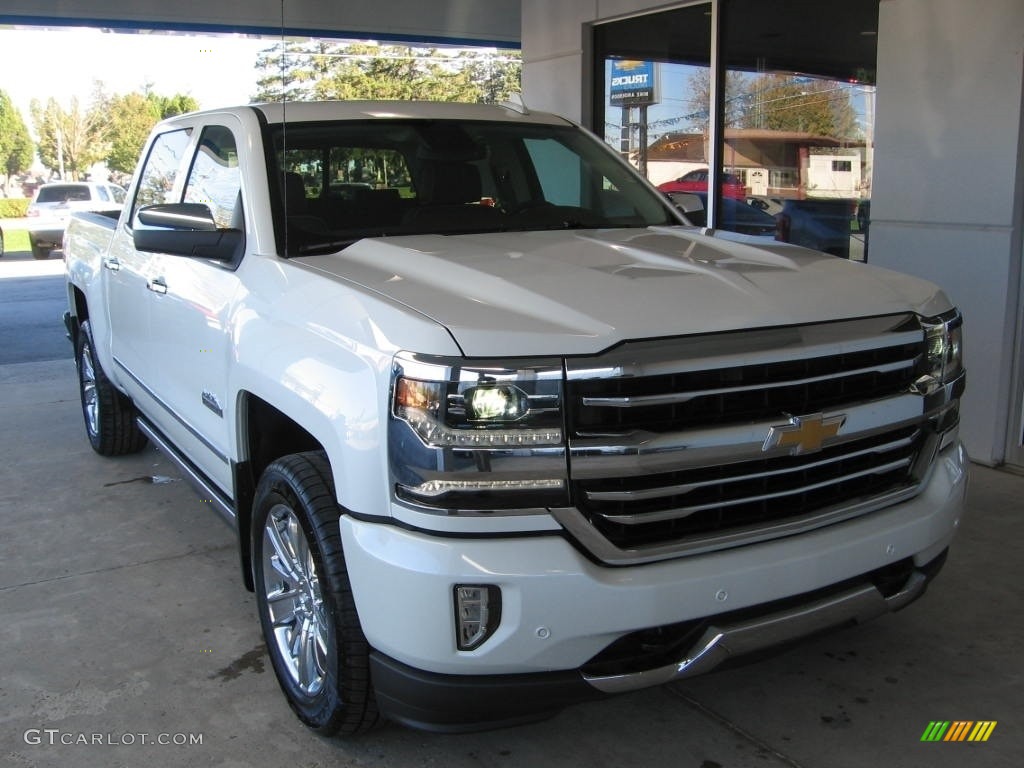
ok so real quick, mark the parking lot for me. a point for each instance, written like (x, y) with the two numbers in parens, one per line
(128, 638)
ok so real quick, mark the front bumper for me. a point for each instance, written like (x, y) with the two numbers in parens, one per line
(457, 703)
(560, 610)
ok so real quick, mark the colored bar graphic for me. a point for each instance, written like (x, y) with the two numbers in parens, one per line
(935, 731)
(982, 730)
(958, 730)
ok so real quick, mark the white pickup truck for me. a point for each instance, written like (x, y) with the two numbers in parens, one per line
(497, 430)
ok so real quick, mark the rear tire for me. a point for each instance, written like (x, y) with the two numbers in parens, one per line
(40, 253)
(109, 415)
(307, 611)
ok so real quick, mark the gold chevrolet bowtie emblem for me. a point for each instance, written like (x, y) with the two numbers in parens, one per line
(804, 434)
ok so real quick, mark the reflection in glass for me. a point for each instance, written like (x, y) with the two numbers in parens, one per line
(796, 129)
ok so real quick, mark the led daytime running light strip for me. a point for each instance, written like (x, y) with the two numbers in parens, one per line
(433, 488)
(435, 433)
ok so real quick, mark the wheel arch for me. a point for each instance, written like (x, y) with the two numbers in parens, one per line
(265, 434)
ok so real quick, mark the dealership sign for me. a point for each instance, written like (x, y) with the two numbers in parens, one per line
(633, 83)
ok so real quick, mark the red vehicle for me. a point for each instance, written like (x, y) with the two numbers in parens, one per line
(697, 181)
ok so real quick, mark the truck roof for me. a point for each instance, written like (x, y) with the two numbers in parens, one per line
(368, 110)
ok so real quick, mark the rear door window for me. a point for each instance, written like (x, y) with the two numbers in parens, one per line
(214, 180)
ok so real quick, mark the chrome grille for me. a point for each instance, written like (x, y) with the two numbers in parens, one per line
(696, 399)
(639, 511)
(666, 447)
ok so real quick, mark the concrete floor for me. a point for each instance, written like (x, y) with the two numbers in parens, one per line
(124, 618)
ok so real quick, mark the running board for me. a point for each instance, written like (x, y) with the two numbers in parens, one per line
(206, 489)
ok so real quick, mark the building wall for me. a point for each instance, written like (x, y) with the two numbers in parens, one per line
(457, 20)
(554, 59)
(945, 203)
(946, 199)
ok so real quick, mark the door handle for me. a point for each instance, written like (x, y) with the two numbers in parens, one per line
(157, 285)
(111, 263)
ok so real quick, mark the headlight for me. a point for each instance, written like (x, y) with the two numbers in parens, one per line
(491, 403)
(477, 434)
(945, 347)
(942, 378)
(944, 360)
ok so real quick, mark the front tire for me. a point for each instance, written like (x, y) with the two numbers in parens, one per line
(109, 415)
(307, 611)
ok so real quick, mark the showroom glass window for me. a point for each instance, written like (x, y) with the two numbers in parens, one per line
(791, 133)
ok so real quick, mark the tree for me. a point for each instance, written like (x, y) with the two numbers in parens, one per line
(127, 120)
(291, 70)
(15, 144)
(700, 98)
(320, 69)
(777, 103)
(496, 74)
(805, 105)
(169, 106)
(70, 140)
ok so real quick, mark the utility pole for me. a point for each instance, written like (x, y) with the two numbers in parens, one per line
(60, 149)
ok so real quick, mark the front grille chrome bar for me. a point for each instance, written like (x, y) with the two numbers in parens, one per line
(674, 398)
(678, 513)
(646, 494)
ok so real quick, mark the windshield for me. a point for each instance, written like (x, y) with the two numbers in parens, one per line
(340, 182)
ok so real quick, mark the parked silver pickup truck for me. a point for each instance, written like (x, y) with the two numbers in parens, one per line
(497, 430)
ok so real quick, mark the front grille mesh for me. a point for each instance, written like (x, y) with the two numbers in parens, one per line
(712, 500)
(745, 393)
(752, 490)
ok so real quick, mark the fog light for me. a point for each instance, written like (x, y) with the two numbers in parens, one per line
(477, 614)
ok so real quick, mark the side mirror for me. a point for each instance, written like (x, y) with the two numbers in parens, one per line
(692, 207)
(687, 202)
(185, 229)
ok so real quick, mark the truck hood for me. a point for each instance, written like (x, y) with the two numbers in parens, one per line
(583, 291)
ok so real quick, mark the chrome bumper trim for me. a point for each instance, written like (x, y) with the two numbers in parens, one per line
(720, 643)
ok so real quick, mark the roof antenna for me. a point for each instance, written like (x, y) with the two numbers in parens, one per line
(515, 103)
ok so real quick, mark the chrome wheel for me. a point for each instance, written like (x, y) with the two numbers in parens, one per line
(294, 600)
(90, 398)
